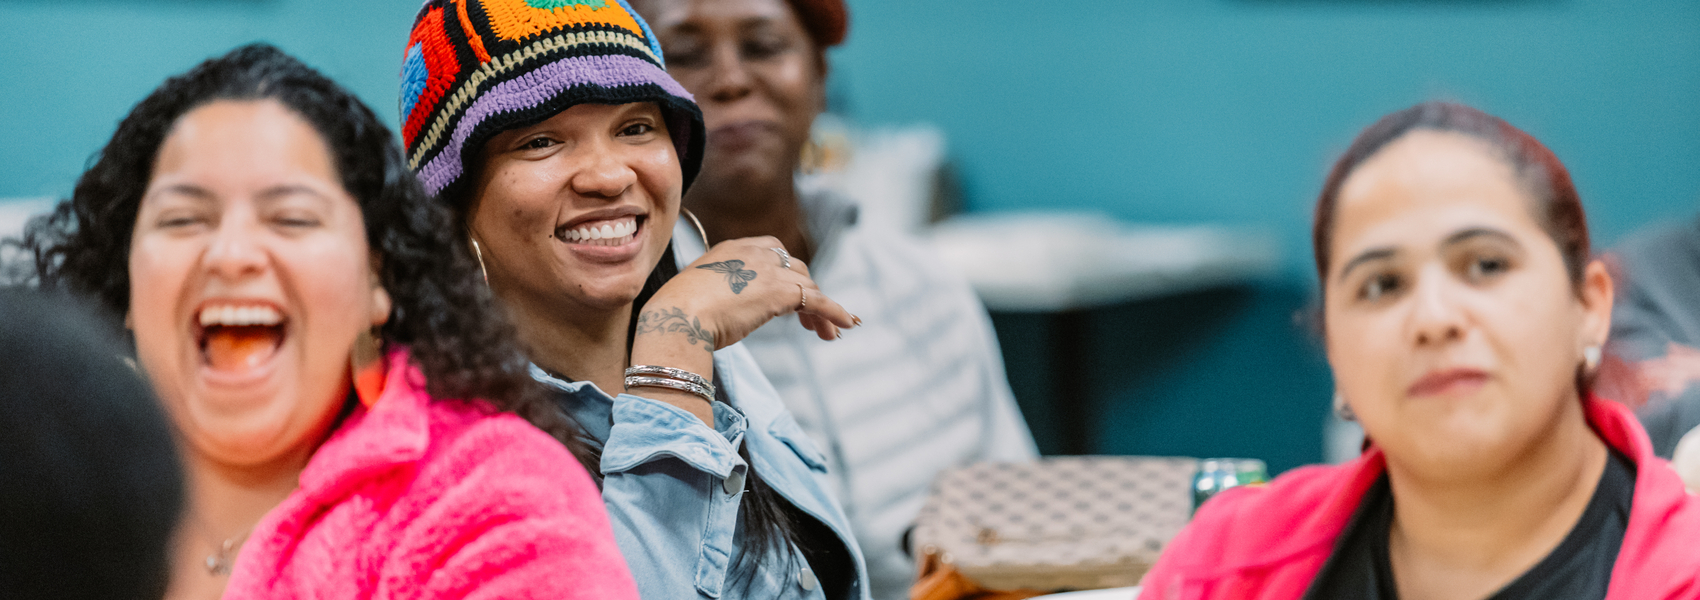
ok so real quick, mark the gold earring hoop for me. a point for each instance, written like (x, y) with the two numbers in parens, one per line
(698, 224)
(479, 255)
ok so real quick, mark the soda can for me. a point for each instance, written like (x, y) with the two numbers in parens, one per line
(1217, 474)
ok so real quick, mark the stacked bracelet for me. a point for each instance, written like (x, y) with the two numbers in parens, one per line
(670, 378)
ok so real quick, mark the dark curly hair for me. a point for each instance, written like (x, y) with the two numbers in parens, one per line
(442, 310)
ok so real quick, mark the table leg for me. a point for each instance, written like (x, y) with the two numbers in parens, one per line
(1070, 388)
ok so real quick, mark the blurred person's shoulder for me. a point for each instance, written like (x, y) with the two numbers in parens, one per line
(1657, 270)
(1653, 245)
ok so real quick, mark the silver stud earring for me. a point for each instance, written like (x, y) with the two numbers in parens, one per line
(1343, 410)
(1591, 358)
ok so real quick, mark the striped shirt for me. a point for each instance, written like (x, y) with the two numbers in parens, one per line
(918, 388)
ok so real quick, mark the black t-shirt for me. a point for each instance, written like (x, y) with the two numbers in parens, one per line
(1579, 568)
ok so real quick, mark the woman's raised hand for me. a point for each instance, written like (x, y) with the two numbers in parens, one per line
(736, 287)
(722, 297)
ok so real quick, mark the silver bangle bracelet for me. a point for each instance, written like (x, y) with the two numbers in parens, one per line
(706, 393)
(670, 373)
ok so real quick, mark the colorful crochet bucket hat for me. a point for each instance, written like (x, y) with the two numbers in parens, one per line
(476, 68)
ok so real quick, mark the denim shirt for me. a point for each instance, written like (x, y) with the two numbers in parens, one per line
(672, 485)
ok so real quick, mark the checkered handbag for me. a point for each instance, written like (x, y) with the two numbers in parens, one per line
(1063, 523)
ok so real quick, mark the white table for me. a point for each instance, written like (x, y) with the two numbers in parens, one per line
(1066, 264)
(1053, 262)
(15, 212)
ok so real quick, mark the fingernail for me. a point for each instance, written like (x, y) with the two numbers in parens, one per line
(856, 319)
(841, 334)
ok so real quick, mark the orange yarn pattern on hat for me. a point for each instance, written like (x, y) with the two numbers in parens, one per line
(471, 33)
(515, 20)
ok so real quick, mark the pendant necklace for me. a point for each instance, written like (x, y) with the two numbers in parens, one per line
(221, 560)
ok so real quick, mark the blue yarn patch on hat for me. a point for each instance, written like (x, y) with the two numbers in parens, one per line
(413, 76)
(654, 43)
(554, 4)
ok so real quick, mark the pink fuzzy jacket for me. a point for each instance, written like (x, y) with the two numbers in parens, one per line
(1268, 543)
(417, 498)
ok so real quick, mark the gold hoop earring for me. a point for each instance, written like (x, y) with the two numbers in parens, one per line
(698, 224)
(479, 255)
(813, 157)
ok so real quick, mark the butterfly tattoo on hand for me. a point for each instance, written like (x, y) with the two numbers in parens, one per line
(736, 275)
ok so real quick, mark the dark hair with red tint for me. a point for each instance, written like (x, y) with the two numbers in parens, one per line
(1556, 206)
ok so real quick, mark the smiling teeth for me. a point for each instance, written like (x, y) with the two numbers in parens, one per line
(607, 234)
(238, 316)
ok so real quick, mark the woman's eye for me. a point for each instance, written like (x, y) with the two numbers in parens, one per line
(687, 56)
(537, 144)
(1378, 286)
(637, 129)
(764, 47)
(1486, 267)
(295, 221)
(180, 220)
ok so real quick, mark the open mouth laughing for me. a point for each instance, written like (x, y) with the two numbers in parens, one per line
(236, 337)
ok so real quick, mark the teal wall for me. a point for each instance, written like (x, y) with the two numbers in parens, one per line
(1231, 111)
(71, 70)
(1151, 110)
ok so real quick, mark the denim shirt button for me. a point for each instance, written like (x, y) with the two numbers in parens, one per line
(806, 578)
(734, 483)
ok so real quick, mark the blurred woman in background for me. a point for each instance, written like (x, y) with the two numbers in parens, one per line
(1463, 318)
(925, 365)
(316, 330)
(564, 148)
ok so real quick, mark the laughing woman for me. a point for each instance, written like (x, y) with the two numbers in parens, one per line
(255, 227)
(1464, 317)
(564, 147)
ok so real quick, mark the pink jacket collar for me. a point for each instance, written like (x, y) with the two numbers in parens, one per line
(1646, 559)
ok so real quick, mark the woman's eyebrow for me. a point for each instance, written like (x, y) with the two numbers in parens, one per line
(755, 23)
(185, 189)
(278, 192)
(1476, 232)
(1373, 254)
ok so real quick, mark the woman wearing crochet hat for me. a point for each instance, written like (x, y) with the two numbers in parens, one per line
(554, 132)
(1464, 318)
(318, 334)
(926, 363)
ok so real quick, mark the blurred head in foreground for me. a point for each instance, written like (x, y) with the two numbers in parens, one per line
(92, 483)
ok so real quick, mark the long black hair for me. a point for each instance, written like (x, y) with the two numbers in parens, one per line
(442, 310)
